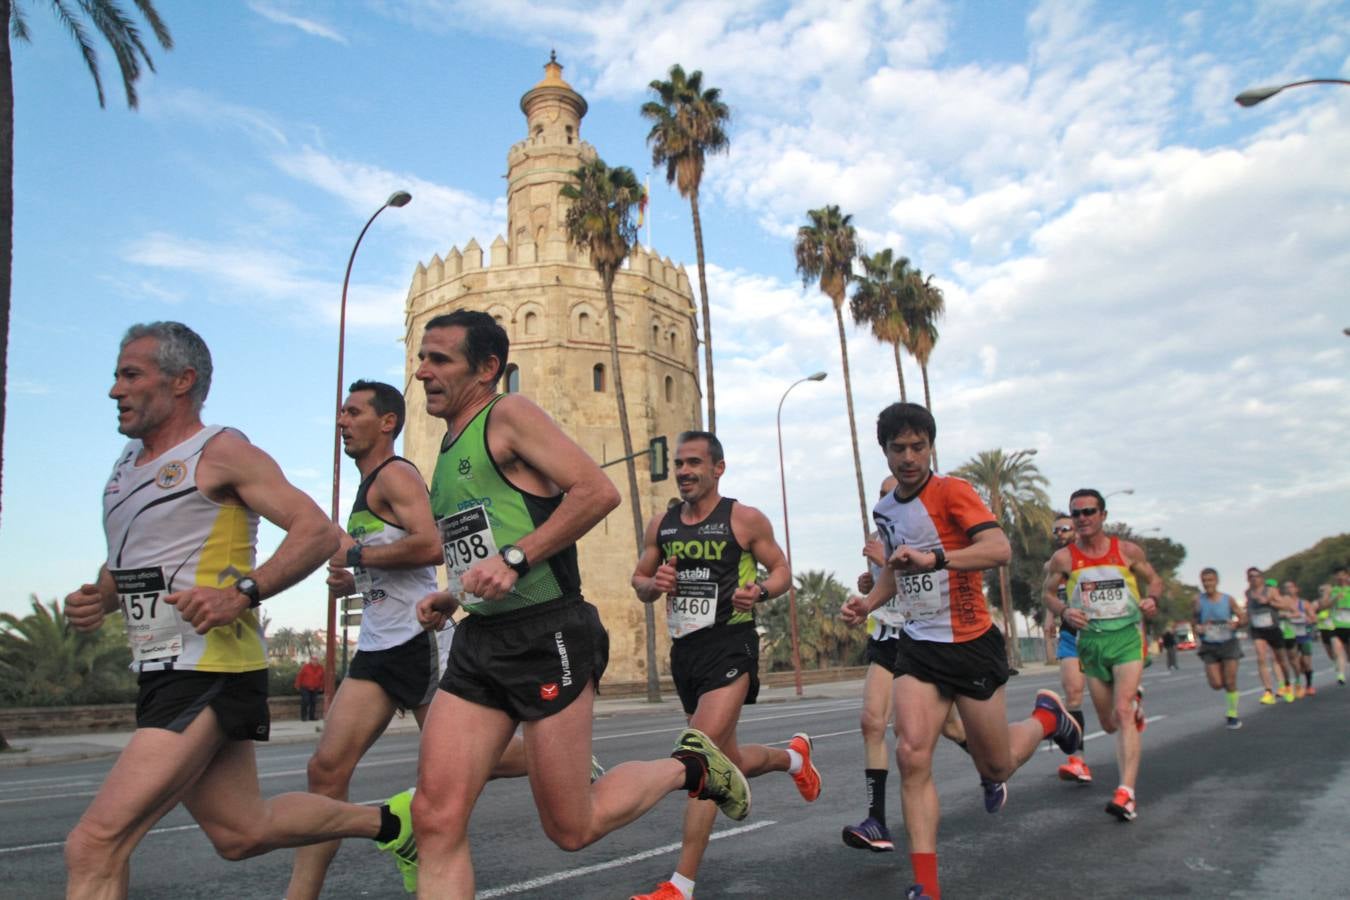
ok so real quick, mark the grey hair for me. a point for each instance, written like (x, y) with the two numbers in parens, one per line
(178, 349)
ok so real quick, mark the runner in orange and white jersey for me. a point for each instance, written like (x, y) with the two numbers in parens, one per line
(939, 536)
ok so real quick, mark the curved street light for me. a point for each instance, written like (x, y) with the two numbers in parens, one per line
(1126, 491)
(787, 535)
(1253, 96)
(397, 198)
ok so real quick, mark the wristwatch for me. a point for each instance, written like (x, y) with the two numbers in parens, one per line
(354, 555)
(249, 588)
(939, 559)
(514, 557)
(763, 592)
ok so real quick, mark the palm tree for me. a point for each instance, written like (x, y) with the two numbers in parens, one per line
(283, 643)
(44, 661)
(921, 307)
(688, 123)
(600, 222)
(1015, 491)
(825, 251)
(121, 33)
(879, 301)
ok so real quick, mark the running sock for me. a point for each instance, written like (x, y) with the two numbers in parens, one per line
(389, 825)
(876, 793)
(693, 772)
(925, 873)
(1307, 677)
(684, 885)
(1232, 703)
(794, 761)
(1047, 720)
(1078, 717)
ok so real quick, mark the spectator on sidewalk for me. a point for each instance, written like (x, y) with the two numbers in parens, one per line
(309, 681)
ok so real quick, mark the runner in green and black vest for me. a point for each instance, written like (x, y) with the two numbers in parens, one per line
(512, 494)
(1335, 601)
(702, 555)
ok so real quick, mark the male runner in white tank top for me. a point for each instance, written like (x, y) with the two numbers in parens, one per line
(181, 512)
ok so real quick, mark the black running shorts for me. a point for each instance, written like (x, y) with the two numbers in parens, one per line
(1272, 635)
(973, 669)
(530, 663)
(1214, 653)
(882, 652)
(408, 673)
(172, 700)
(713, 658)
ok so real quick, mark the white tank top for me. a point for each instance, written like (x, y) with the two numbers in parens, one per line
(389, 596)
(164, 535)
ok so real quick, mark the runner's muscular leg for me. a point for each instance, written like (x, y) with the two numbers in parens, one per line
(574, 812)
(997, 746)
(1126, 678)
(460, 743)
(358, 715)
(919, 713)
(1072, 680)
(878, 685)
(148, 779)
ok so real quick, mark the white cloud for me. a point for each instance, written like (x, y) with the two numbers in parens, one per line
(307, 25)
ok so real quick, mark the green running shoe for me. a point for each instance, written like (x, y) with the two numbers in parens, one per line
(403, 847)
(723, 783)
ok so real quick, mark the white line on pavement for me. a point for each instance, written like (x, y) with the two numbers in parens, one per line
(556, 877)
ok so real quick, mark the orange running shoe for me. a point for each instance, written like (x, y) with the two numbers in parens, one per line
(808, 779)
(1122, 805)
(1075, 770)
(1312, 691)
(1300, 692)
(666, 890)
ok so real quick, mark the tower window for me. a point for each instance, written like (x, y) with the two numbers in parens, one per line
(584, 324)
(656, 335)
(531, 324)
(569, 134)
(598, 378)
(513, 379)
(670, 389)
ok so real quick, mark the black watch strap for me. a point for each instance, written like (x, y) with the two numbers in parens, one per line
(354, 555)
(939, 559)
(763, 592)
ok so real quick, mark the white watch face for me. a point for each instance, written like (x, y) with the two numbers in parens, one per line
(514, 556)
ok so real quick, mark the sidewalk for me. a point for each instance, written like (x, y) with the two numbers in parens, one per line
(39, 751)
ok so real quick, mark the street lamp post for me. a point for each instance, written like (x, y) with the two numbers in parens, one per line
(398, 198)
(787, 536)
(1253, 96)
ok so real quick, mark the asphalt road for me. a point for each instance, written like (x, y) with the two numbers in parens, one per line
(1258, 812)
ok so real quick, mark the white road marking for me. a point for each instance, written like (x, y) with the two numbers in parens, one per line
(567, 874)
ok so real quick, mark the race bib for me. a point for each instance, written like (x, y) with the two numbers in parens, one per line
(364, 583)
(920, 595)
(466, 538)
(691, 607)
(153, 626)
(1263, 618)
(1341, 615)
(1216, 632)
(1107, 599)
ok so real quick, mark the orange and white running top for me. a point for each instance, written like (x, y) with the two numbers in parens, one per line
(946, 606)
(1104, 588)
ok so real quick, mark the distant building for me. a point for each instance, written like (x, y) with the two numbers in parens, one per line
(549, 299)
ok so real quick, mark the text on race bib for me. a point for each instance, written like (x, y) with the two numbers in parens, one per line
(466, 539)
(692, 606)
(1106, 599)
(920, 596)
(153, 626)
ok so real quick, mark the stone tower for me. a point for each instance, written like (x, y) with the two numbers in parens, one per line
(549, 299)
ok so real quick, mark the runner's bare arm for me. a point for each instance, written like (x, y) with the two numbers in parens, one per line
(988, 549)
(232, 469)
(754, 529)
(653, 576)
(400, 495)
(1143, 570)
(86, 606)
(1055, 574)
(856, 609)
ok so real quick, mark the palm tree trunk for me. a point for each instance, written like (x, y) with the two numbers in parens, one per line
(707, 312)
(1004, 582)
(630, 464)
(6, 217)
(899, 372)
(852, 424)
(928, 402)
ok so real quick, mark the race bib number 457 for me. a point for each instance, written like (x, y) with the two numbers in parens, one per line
(152, 624)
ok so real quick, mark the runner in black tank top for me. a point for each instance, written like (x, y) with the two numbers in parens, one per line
(702, 555)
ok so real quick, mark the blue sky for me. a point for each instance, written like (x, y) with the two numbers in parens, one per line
(1144, 282)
